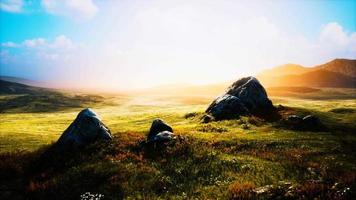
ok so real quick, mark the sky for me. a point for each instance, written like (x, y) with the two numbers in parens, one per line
(131, 44)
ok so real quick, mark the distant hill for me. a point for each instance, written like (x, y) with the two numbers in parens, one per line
(17, 97)
(23, 81)
(283, 70)
(339, 73)
(7, 87)
(342, 66)
(317, 78)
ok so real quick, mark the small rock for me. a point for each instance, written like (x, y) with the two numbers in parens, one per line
(263, 189)
(294, 119)
(162, 137)
(312, 122)
(309, 123)
(160, 131)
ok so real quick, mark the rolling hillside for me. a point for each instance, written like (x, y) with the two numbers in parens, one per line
(283, 70)
(7, 87)
(23, 81)
(317, 78)
(16, 96)
(342, 66)
(340, 73)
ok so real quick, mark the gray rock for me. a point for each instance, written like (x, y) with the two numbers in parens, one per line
(309, 122)
(85, 129)
(226, 107)
(294, 120)
(159, 127)
(162, 137)
(251, 93)
(244, 97)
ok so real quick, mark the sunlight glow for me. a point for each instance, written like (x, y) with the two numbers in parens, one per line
(121, 45)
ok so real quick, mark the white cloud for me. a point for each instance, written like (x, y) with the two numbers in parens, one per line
(334, 41)
(60, 48)
(62, 42)
(9, 44)
(79, 9)
(12, 5)
(160, 42)
(36, 42)
(333, 34)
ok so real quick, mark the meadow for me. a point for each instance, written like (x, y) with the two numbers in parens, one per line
(229, 159)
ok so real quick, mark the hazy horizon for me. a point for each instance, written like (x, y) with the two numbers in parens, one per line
(123, 45)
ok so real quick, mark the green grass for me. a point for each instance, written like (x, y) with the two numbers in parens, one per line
(209, 161)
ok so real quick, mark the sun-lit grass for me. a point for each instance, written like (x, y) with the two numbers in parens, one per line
(219, 160)
(28, 131)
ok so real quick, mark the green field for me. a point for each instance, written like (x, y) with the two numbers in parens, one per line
(209, 161)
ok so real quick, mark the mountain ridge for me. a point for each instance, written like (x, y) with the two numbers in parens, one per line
(340, 73)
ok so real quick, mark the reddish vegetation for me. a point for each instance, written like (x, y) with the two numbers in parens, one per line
(241, 191)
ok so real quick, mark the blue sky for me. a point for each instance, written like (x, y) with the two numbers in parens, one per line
(133, 44)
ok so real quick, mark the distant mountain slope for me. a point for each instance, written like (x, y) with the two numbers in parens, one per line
(339, 73)
(7, 87)
(283, 70)
(342, 66)
(22, 81)
(16, 97)
(315, 78)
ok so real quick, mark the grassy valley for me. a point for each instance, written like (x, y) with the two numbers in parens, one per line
(224, 159)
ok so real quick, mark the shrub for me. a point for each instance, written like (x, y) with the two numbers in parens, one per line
(212, 128)
(190, 115)
(241, 191)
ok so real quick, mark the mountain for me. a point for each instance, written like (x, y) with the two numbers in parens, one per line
(283, 70)
(7, 87)
(22, 81)
(339, 73)
(316, 78)
(342, 66)
(17, 97)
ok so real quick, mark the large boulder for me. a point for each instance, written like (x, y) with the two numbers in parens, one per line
(160, 131)
(227, 106)
(85, 129)
(244, 97)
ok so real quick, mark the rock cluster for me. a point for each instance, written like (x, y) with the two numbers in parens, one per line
(160, 132)
(244, 97)
(85, 129)
(309, 122)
